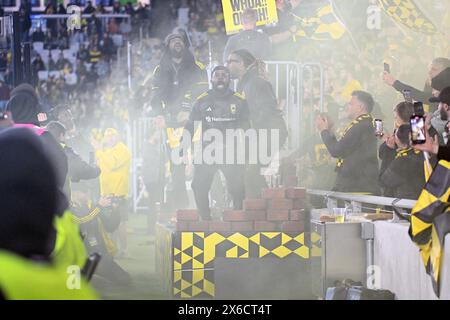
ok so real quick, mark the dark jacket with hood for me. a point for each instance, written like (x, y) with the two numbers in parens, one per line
(262, 103)
(29, 195)
(24, 107)
(175, 90)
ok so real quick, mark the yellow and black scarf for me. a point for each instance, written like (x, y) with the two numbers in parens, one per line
(340, 162)
(406, 152)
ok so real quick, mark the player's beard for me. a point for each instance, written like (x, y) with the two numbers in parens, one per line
(176, 54)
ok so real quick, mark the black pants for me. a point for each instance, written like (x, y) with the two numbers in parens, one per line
(201, 184)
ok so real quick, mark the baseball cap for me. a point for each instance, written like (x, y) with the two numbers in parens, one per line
(442, 80)
(443, 97)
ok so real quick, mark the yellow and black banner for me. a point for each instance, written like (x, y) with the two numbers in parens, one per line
(323, 25)
(233, 9)
(408, 14)
(430, 221)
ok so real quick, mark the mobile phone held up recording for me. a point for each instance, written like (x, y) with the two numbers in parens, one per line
(407, 96)
(378, 127)
(418, 109)
(417, 123)
(387, 67)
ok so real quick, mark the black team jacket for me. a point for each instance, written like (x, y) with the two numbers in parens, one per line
(356, 151)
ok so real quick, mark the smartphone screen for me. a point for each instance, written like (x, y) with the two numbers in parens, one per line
(378, 127)
(387, 67)
(407, 96)
(418, 109)
(417, 123)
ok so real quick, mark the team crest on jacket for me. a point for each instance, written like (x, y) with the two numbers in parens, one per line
(233, 109)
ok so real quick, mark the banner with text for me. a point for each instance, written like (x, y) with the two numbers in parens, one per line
(233, 9)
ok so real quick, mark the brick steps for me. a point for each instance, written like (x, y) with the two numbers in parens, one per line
(280, 209)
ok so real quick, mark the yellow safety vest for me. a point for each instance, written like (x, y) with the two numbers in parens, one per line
(21, 279)
(69, 247)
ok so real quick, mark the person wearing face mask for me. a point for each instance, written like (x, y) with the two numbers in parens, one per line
(219, 108)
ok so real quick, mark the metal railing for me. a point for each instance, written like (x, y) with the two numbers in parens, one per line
(289, 84)
(404, 204)
(367, 228)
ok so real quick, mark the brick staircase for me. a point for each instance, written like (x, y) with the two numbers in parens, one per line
(279, 209)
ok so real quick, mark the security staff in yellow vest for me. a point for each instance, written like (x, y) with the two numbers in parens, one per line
(114, 161)
(356, 151)
(68, 248)
(177, 81)
(30, 201)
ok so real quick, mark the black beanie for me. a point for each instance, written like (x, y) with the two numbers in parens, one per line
(24, 104)
(28, 194)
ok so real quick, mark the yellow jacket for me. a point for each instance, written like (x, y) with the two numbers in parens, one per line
(22, 279)
(69, 247)
(114, 164)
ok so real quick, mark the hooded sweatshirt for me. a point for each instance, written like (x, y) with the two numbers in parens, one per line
(24, 107)
(28, 193)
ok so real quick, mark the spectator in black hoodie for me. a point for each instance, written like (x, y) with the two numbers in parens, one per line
(78, 169)
(24, 107)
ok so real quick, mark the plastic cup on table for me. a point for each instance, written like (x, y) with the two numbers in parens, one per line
(339, 214)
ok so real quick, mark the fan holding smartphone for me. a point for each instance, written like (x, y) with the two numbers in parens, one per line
(417, 122)
(437, 66)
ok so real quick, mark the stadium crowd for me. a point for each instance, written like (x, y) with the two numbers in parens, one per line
(91, 97)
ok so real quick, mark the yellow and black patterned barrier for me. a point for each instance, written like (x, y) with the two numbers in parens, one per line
(194, 254)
